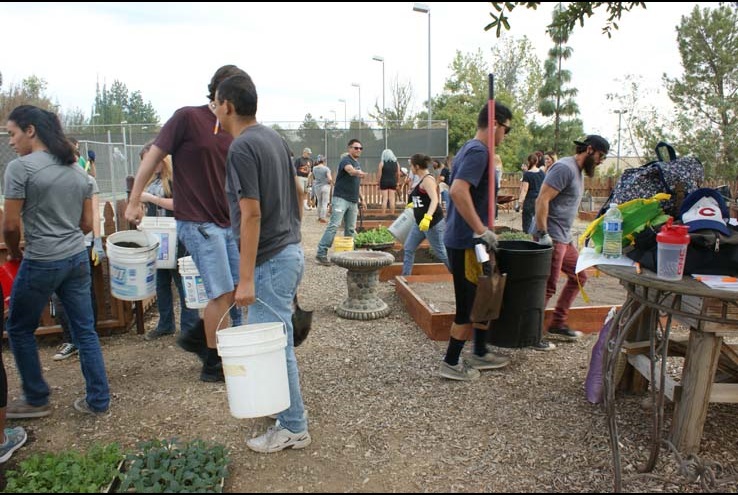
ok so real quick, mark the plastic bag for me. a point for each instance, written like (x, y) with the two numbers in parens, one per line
(593, 384)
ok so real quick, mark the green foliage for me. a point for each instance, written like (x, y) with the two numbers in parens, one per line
(32, 91)
(514, 235)
(115, 105)
(380, 235)
(170, 466)
(573, 13)
(66, 472)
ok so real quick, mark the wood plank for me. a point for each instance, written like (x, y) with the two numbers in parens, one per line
(642, 363)
(395, 269)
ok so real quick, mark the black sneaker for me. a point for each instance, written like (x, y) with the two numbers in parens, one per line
(155, 334)
(566, 333)
(543, 345)
(323, 260)
(212, 374)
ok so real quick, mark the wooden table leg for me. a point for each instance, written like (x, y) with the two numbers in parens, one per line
(690, 411)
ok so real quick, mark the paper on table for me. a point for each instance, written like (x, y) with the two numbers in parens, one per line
(723, 282)
(589, 257)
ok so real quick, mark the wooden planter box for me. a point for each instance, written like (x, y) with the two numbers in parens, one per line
(437, 324)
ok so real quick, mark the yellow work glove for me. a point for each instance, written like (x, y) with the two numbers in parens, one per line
(409, 205)
(424, 224)
(97, 254)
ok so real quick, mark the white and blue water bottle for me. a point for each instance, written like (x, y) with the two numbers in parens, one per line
(612, 228)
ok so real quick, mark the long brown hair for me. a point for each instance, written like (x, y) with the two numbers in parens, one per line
(166, 170)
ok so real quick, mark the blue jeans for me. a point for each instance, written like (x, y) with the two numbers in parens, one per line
(415, 237)
(188, 318)
(275, 283)
(34, 284)
(340, 210)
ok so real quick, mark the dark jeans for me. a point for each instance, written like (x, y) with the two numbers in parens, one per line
(61, 316)
(187, 317)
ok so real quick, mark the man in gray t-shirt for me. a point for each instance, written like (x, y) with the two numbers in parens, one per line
(322, 182)
(556, 209)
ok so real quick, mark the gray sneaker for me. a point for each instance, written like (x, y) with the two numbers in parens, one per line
(323, 260)
(14, 438)
(81, 405)
(19, 409)
(489, 361)
(461, 371)
(66, 350)
(279, 438)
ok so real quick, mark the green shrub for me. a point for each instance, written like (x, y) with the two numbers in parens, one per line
(380, 235)
(66, 472)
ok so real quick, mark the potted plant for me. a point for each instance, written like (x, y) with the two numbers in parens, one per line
(377, 238)
(172, 466)
(66, 472)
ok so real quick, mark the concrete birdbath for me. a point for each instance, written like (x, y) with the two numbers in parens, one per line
(362, 279)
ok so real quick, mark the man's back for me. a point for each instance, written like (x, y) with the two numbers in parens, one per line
(198, 160)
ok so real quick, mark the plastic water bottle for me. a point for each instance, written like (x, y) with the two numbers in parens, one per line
(612, 227)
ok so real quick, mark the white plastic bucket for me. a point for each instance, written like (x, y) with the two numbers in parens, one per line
(255, 369)
(402, 225)
(165, 230)
(132, 269)
(195, 297)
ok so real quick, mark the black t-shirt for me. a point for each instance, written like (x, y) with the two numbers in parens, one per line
(347, 186)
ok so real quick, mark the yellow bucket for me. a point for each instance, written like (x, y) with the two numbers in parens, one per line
(341, 244)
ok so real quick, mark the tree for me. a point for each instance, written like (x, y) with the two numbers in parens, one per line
(706, 96)
(32, 91)
(115, 105)
(397, 114)
(573, 13)
(518, 72)
(556, 99)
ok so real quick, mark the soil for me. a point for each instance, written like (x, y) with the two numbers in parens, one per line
(380, 417)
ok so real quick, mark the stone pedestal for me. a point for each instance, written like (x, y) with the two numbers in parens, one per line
(362, 279)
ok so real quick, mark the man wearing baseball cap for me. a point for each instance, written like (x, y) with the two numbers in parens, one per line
(556, 208)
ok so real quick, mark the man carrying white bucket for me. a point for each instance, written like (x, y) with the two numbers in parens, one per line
(265, 209)
(192, 136)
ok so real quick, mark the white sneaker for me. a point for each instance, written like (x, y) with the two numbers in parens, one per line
(489, 361)
(278, 438)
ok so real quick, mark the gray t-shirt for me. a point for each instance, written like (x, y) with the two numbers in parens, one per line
(259, 167)
(320, 176)
(566, 177)
(54, 196)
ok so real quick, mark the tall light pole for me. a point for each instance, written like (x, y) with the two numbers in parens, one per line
(425, 9)
(345, 122)
(620, 120)
(357, 85)
(335, 119)
(384, 117)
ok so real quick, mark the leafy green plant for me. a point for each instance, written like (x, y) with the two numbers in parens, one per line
(66, 472)
(168, 465)
(513, 235)
(379, 235)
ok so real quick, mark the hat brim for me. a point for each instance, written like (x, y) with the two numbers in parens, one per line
(708, 224)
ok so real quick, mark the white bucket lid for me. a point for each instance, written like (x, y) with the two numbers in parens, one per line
(249, 334)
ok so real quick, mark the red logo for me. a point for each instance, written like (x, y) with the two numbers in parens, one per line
(707, 211)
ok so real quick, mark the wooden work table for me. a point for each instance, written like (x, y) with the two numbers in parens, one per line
(639, 331)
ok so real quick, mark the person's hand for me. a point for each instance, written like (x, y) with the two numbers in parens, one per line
(134, 212)
(424, 224)
(488, 238)
(98, 253)
(545, 240)
(245, 293)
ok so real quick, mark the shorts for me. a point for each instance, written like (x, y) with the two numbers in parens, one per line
(215, 256)
(303, 183)
(464, 290)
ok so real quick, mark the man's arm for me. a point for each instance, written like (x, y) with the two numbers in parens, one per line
(353, 171)
(546, 195)
(145, 171)
(461, 196)
(250, 233)
(12, 227)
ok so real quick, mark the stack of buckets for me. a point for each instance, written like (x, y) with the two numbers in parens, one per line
(255, 369)
(132, 258)
(195, 297)
(342, 244)
(165, 231)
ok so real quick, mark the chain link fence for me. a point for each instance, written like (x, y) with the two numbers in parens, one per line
(117, 147)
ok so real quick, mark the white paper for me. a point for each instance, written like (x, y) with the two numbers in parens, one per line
(723, 282)
(589, 257)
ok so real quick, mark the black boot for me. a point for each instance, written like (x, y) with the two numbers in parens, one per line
(193, 340)
(212, 368)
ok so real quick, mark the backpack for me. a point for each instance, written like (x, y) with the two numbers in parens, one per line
(677, 177)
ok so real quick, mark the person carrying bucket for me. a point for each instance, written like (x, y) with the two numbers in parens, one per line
(198, 147)
(54, 199)
(265, 208)
(466, 224)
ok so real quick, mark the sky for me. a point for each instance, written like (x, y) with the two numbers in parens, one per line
(304, 57)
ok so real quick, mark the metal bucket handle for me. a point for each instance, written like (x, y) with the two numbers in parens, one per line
(284, 328)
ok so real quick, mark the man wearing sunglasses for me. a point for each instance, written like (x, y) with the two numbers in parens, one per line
(346, 198)
(556, 208)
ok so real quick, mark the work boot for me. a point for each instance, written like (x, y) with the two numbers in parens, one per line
(212, 367)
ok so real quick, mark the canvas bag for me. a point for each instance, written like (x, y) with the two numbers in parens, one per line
(488, 299)
(677, 177)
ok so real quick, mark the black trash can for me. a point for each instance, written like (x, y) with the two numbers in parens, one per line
(527, 265)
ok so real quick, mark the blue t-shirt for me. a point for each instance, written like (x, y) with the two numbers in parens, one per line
(471, 164)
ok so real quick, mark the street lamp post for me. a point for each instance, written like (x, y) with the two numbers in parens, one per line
(620, 120)
(384, 116)
(334, 116)
(357, 85)
(425, 9)
(345, 122)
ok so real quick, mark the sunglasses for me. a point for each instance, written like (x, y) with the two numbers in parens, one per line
(357, 148)
(507, 129)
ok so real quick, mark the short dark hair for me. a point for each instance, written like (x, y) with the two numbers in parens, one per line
(353, 141)
(420, 160)
(502, 114)
(220, 75)
(241, 92)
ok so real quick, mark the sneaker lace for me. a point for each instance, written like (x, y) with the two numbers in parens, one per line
(66, 347)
